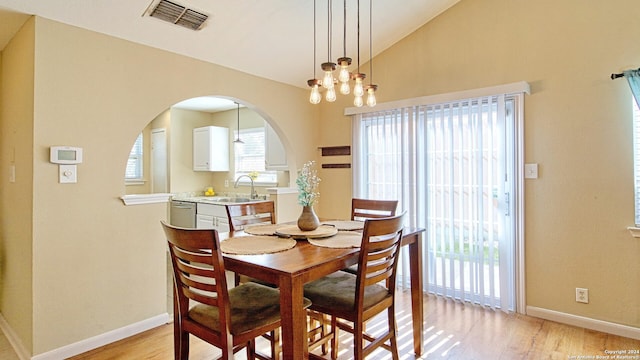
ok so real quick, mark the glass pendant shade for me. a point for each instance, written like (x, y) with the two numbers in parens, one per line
(315, 96)
(327, 80)
(331, 94)
(345, 89)
(344, 76)
(371, 95)
(358, 88)
(357, 101)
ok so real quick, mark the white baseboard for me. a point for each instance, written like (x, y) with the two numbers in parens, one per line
(585, 322)
(104, 339)
(14, 340)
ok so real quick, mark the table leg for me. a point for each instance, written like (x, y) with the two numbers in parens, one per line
(415, 265)
(294, 322)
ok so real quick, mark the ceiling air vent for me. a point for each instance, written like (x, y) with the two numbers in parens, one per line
(179, 15)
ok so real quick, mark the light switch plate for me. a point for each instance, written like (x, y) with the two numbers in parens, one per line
(530, 171)
(68, 174)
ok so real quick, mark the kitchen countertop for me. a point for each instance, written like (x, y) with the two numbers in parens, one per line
(217, 200)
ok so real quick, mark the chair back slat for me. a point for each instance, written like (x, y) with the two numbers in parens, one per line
(362, 209)
(241, 215)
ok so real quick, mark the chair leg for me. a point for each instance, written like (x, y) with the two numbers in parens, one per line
(325, 331)
(334, 340)
(393, 331)
(358, 341)
(180, 343)
(318, 330)
(251, 349)
(275, 344)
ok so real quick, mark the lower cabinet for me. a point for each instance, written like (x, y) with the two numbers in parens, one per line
(211, 216)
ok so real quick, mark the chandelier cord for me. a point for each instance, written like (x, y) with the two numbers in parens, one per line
(344, 29)
(314, 39)
(358, 28)
(329, 21)
(370, 42)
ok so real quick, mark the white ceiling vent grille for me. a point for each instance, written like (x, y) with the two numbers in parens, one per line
(179, 15)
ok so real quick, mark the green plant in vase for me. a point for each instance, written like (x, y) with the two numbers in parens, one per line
(308, 182)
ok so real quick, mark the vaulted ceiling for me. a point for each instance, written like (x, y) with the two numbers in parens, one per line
(268, 38)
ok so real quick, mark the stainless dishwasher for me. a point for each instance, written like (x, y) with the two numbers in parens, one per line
(182, 214)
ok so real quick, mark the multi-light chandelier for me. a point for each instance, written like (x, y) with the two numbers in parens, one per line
(344, 78)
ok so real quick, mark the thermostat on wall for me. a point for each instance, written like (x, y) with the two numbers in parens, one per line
(65, 155)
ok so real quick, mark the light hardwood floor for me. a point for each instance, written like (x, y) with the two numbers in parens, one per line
(452, 331)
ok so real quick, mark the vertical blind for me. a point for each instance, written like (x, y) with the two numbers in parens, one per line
(633, 79)
(636, 161)
(447, 165)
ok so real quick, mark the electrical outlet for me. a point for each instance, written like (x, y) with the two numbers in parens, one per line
(226, 183)
(582, 295)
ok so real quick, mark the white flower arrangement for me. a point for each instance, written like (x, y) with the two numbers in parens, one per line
(308, 182)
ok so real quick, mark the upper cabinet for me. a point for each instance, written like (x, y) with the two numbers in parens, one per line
(211, 148)
(275, 154)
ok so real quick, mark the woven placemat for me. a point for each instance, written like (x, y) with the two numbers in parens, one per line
(295, 232)
(345, 224)
(343, 239)
(266, 229)
(253, 245)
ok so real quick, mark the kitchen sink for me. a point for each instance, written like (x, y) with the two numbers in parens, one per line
(235, 200)
(225, 199)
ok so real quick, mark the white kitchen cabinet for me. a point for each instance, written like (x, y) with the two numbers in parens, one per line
(275, 154)
(211, 148)
(212, 216)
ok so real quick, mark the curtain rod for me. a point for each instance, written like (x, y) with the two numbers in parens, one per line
(615, 76)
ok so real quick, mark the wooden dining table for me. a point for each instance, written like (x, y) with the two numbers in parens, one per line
(289, 270)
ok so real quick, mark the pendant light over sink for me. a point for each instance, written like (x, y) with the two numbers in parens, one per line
(237, 140)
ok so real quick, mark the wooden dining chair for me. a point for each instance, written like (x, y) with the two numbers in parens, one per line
(362, 209)
(239, 216)
(350, 300)
(243, 214)
(229, 319)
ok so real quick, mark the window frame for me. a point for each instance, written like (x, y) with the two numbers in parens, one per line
(136, 155)
(264, 177)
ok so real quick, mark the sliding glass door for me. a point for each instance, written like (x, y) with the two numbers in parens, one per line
(451, 166)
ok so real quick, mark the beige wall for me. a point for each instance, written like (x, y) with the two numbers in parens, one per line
(577, 127)
(16, 199)
(182, 176)
(75, 249)
(99, 265)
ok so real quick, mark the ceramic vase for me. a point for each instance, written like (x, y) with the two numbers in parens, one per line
(308, 220)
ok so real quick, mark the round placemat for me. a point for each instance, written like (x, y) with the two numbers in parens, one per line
(344, 239)
(266, 229)
(295, 232)
(253, 245)
(345, 224)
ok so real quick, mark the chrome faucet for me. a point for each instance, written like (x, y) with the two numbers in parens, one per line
(253, 195)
